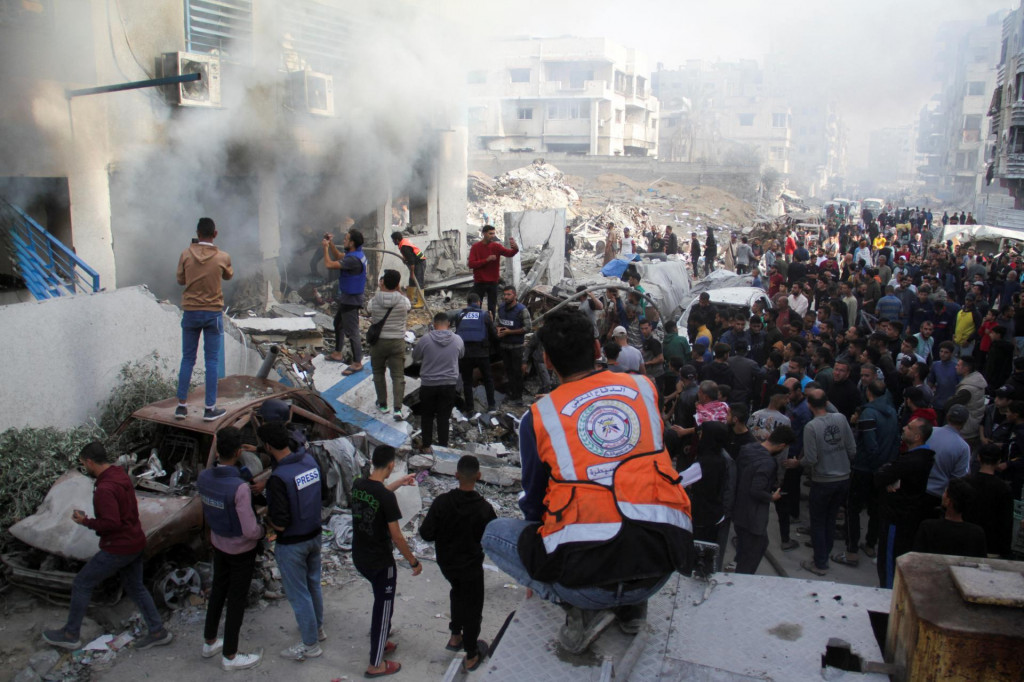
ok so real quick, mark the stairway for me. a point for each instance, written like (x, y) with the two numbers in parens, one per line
(48, 268)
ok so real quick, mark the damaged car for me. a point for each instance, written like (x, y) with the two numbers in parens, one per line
(164, 456)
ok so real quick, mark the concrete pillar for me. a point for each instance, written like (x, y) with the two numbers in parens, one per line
(450, 193)
(89, 186)
(595, 123)
(269, 226)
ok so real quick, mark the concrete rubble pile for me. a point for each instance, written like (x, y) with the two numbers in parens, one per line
(537, 186)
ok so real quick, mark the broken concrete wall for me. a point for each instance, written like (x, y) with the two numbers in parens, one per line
(64, 355)
(538, 230)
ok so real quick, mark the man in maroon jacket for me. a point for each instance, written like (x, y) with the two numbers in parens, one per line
(121, 544)
(483, 261)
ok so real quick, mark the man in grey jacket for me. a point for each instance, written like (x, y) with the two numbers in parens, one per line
(388, 353)
(829, 448)
(439, 352)
(756, 489)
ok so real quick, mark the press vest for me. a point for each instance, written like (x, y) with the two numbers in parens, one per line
(354, 283)
(472, 326)
(513, 320)
(602, 440)
(415, 250)
(301, 478)
(217, 488)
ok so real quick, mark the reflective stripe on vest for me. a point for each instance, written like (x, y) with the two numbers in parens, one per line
(416, 252)
(353, 284)
(601, 437)
(581, 532)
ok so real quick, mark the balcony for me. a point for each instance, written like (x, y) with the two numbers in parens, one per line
(1017, 113)
(1013, 167)
(563, 90)
(576, 127)
(638, 135)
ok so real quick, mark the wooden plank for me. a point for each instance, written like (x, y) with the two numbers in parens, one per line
(984, 585)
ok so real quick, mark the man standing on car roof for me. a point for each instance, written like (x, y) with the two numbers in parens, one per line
(122, 541)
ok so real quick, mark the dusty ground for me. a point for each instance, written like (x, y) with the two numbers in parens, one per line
(420, 629)
(420, 622)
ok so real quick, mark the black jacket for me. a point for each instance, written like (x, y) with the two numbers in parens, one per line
(756, 473)
(455, 523)
(718, 372)
(909, 503)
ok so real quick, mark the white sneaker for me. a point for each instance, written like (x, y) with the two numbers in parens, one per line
(321, 634)
(211, 650)
(242, 661)
(301, 652)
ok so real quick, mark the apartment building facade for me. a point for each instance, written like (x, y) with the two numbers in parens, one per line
(1006, 110)
(574, 95)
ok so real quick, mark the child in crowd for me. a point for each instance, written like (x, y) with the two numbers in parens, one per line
(456, 522)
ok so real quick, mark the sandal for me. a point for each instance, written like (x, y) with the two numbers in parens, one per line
(390, 668)
(483, 649)
(841, 558)
(389, 648)
(453, 647)
(349, 371)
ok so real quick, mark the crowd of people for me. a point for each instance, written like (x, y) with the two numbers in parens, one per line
(888, 372)
(895, 363)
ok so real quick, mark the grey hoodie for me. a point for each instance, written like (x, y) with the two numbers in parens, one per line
(439, 351)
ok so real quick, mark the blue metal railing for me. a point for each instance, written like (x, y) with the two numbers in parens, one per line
(49, 268)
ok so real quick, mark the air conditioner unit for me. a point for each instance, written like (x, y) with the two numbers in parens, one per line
(204, 92)
(311, 92)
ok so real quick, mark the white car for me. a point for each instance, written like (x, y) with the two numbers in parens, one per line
(728, 299)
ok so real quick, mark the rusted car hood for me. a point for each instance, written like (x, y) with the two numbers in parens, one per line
(51, 529)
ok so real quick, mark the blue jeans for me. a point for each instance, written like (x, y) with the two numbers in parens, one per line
(100, 567)
(824, 502)
(300, 576)
(211, 325)
(501, 542)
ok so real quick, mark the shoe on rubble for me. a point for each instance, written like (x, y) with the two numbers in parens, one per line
(582, 627)
(180, 412)
(152, 639)
(301, 652)
(211, 650)
(62, 639)
(242, 661)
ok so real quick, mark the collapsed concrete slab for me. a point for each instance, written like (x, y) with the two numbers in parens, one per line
(355, 400)
(533, 229)
(278, 325)
(445, 461)
(65, 354)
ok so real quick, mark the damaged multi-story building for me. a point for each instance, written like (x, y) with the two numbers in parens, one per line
(308, 116)
(724, 112)
(953, 129)
(1007, 118)
(575, 95)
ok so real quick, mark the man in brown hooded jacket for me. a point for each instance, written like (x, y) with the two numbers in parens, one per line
(201, 268)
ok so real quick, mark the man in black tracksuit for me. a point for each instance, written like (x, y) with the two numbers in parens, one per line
(456, 522)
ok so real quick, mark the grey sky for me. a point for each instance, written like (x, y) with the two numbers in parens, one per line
(875, 55)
